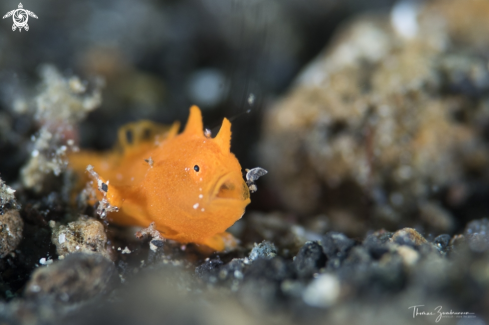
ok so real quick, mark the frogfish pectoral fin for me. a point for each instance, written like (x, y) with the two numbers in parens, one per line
(108, 200)
(221, 242)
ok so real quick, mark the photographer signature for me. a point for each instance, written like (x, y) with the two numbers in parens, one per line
(417, 311)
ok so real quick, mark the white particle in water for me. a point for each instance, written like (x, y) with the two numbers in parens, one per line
(251, 99)
(35, 288)
(206, 87)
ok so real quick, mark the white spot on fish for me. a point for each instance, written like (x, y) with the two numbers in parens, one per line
(196, 205)
(202, 209)
(200, 196)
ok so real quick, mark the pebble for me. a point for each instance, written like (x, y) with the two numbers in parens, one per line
(408, 236)
(336, 247)
(310, 259)
(323, 291)
(442, 241)
(86, 235)
(75, 278)
(477, 235)
(265, 249)
(409, 255)
(11, 227)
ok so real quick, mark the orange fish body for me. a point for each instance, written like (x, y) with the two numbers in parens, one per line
(189, 185)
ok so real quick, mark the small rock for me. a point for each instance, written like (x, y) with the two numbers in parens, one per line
(215, 270)
(7, 198)
(408, 236)
(441, 242)
(409, 256)
(85, 236)
(457, 241)
(11, 226)
(265, 249)
(477, 235)
(336, 247)
(155, 244)
(76, 278)
(376, 243)
(209, 271)
(323, 291)
(379, 237)
(310, 259)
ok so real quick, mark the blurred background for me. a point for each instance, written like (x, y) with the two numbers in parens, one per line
(370, 116)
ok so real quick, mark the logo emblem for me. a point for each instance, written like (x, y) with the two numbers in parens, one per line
(20, 17)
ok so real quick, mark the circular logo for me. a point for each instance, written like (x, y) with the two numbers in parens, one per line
(20, 18)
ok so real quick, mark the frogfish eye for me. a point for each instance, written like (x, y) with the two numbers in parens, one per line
(196, 168)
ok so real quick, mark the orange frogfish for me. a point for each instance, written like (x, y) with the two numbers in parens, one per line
(189, 184)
